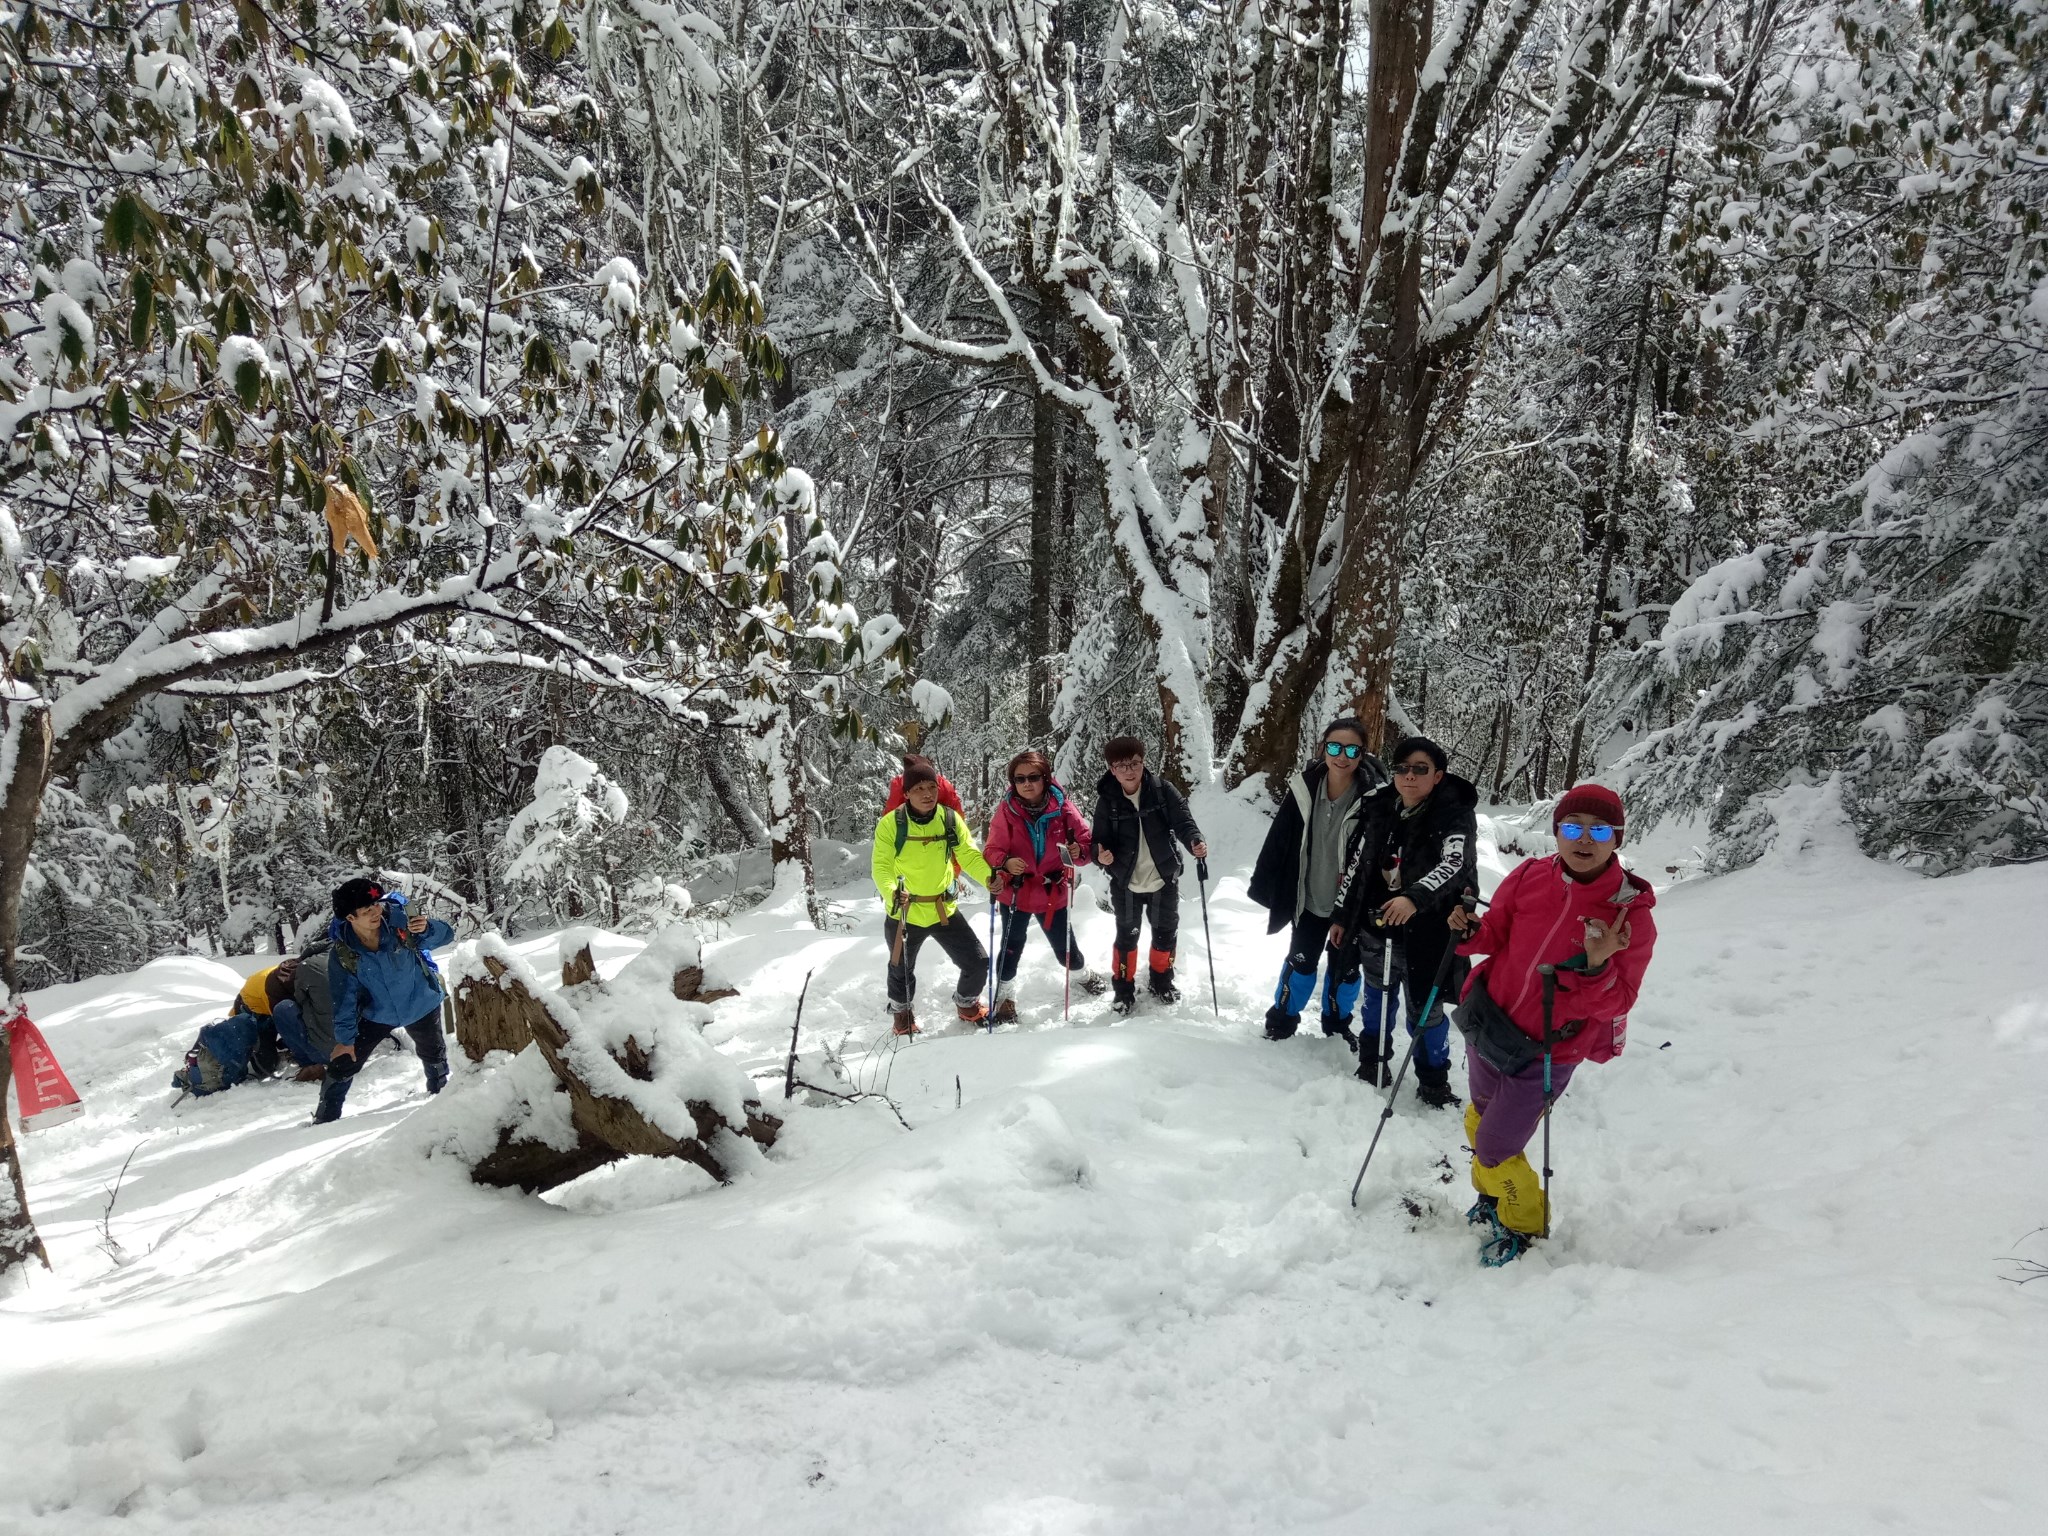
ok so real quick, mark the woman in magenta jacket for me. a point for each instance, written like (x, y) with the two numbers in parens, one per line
(1032, 827)
(1579, 911)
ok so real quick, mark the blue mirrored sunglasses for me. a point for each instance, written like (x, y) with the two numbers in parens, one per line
(1572, 831)
(1342, 749)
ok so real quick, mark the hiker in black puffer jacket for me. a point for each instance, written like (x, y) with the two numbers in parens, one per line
(1141, 821)
(1415, 854)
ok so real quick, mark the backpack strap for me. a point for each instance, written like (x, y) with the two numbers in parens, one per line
(951, 822)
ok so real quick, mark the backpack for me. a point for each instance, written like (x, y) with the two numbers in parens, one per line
(225, 1054)
(945, 813)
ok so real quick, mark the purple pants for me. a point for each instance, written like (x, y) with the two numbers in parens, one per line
(1510, 1108)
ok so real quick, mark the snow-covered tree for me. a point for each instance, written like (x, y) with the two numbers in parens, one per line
(1888, 261)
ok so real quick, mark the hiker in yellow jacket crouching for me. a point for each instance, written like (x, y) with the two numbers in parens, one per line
(917, 849)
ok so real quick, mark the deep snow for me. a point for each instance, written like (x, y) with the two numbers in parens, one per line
(1118, 1289)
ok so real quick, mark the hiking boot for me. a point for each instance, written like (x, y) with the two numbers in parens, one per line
(1482, 1212)
(1280, 1024)
(1093, 982)
(1006, 1010)
(1125, 1000)
(1433, 1087)
(1339, 1029)
(333, 1094)
(1372, 1070)
(1161, 986)
(906, 1021)
(1503, 1245)
(973, 1011)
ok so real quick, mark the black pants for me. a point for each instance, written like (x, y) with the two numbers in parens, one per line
(1131, 910)
(956, 937)
(1017, 928)
(428, 1038)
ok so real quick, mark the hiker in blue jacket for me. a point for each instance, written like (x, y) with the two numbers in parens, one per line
(381, 980)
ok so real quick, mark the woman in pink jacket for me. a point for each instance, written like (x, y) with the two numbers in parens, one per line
(1032, 827)
(1582, 914)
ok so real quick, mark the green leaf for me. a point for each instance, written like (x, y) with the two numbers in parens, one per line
(117, 410)
(143, 317)
(129, 224)
(236, 316)
(280, 206)
(249, 383)
(70, 343)
(253, 21)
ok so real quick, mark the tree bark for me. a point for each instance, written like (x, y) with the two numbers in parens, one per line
(19, 813)
(1047, 439)
(490, 1018)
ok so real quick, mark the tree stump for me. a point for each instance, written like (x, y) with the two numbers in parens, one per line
(491, 1017)
(535, 1167)
(579, 968)
(607, 1124)
(689, 987)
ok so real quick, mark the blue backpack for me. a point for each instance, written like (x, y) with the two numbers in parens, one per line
(227, 1052)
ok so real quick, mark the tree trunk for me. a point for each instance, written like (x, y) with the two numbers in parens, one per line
(1047, 439)
(19, 813)
(489, 1018)
(1606, 529)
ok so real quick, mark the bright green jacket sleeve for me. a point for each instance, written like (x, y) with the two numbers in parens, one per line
(882, 862)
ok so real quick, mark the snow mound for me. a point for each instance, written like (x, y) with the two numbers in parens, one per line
(1108, 1281)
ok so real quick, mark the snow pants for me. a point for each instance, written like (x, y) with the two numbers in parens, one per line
(956, 936)
(1131, 910)
(292, 1033)
(428, 1038)
(1502, 1116)
(1308, 950)
(1017, 928)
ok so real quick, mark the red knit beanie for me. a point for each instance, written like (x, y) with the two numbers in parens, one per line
(1588, 800)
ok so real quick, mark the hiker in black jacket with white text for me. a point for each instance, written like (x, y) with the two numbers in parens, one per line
(1416, 851)
(1138, 817)
(1301, 864)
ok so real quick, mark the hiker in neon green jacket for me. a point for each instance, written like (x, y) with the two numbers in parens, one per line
(916, 848)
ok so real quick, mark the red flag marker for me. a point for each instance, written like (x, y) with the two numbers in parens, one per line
(47, 1097)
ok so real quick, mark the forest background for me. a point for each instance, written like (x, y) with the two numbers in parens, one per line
(561, 455)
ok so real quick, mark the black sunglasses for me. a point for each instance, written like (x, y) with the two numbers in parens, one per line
(1341, 749)
(1415, 770)
(1028, 778)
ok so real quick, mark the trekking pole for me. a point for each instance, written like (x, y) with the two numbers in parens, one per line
(900, 910)
(1208, 945)
(993, 964)
(1443, 969)
(1067, 957)
(1549, 975)
(1386, 1005)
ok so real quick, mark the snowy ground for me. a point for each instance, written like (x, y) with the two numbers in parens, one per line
(1119, 1288)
